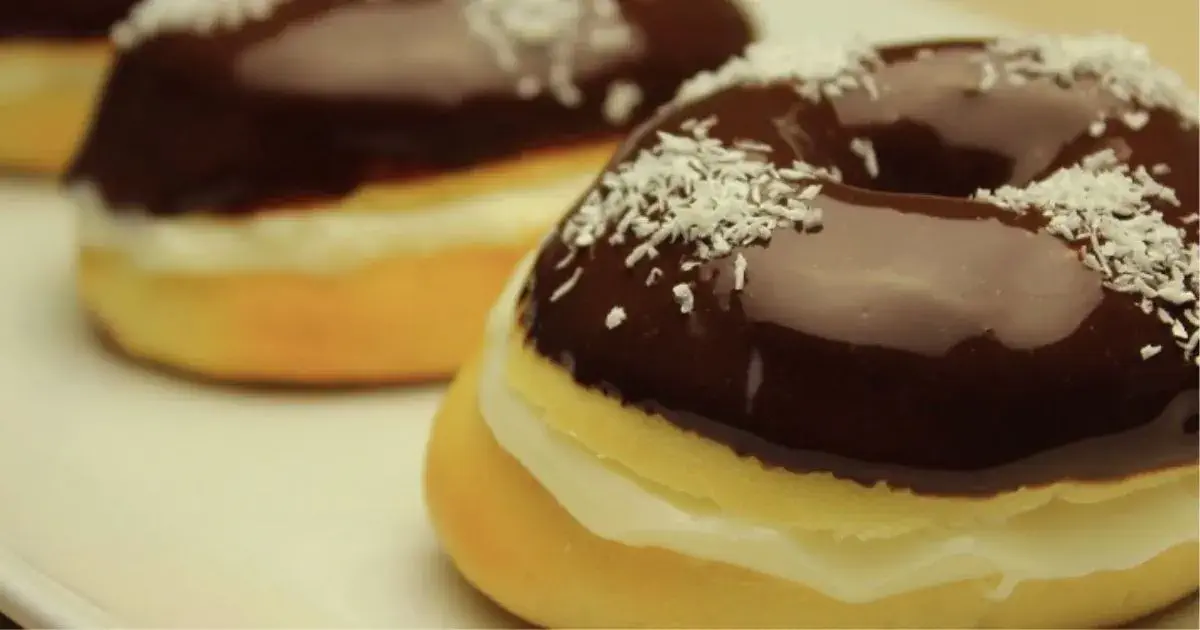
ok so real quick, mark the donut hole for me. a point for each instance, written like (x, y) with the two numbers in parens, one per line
(914, 159)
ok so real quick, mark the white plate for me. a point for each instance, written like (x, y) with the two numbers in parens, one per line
(130, 499)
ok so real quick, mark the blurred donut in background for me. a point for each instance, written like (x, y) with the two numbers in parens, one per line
(334, 191)
(53, 57)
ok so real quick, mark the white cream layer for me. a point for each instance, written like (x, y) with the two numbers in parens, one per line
(1059, 540)
(319, 239)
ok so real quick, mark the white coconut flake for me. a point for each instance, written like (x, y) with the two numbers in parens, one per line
(566, 287)
(691, 189)
(151, 18)
(621, 101)
(551, 29)
(1113, 212)
(695, 189)
(752, 146)
(865, 149)
(1160, 169)
(1123, 67)
(615, 317)
(684, 297)
(529, 87)
(1097, 128)
(739, 272)
(988, 77)
(1150, 351)
(817, 69)
(1135, 120)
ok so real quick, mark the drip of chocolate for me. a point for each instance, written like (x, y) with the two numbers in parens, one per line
(60, 18)
(917, 337)
(324, 96)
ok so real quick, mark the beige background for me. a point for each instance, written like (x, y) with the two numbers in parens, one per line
(1170, 27)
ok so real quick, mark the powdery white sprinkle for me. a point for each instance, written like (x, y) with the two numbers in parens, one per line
(554, 29)
(151, 18)
(684, 297)
(865, 149)
(1150, 351)
(1123, 67)
(622, 99)
(1108, 208)
(615, 317)
(739, 272)
(817, 68)
(566, 287)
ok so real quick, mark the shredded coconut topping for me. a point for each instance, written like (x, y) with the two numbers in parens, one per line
(553, 28)
(988, 78)
(615, 317)
(1107, 208)
(201, 17)
(694, 189)
(684, 297)
(1123, 67)
(1097, 128)
(739, 272)
(1135, 120)
(622, 99)
(818, 69)
(566, 287)
(863, 148)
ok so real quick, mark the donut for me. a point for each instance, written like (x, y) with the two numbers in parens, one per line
(53, 57)
(857, 335)
(333, 192)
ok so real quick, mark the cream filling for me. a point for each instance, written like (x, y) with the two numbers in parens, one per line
(319, 239)
(1057, 541)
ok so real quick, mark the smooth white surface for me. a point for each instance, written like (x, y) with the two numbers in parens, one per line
(134, 500)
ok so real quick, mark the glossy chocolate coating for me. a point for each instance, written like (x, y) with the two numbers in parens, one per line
(327, 95)
(918, 338)
(60, 18)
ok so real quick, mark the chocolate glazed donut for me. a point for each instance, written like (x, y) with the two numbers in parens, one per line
(923, 336)
(285, 108)
(60, 18)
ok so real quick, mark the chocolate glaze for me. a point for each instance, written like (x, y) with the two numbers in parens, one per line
(918, 338)
(60, 18)
(283, 110)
